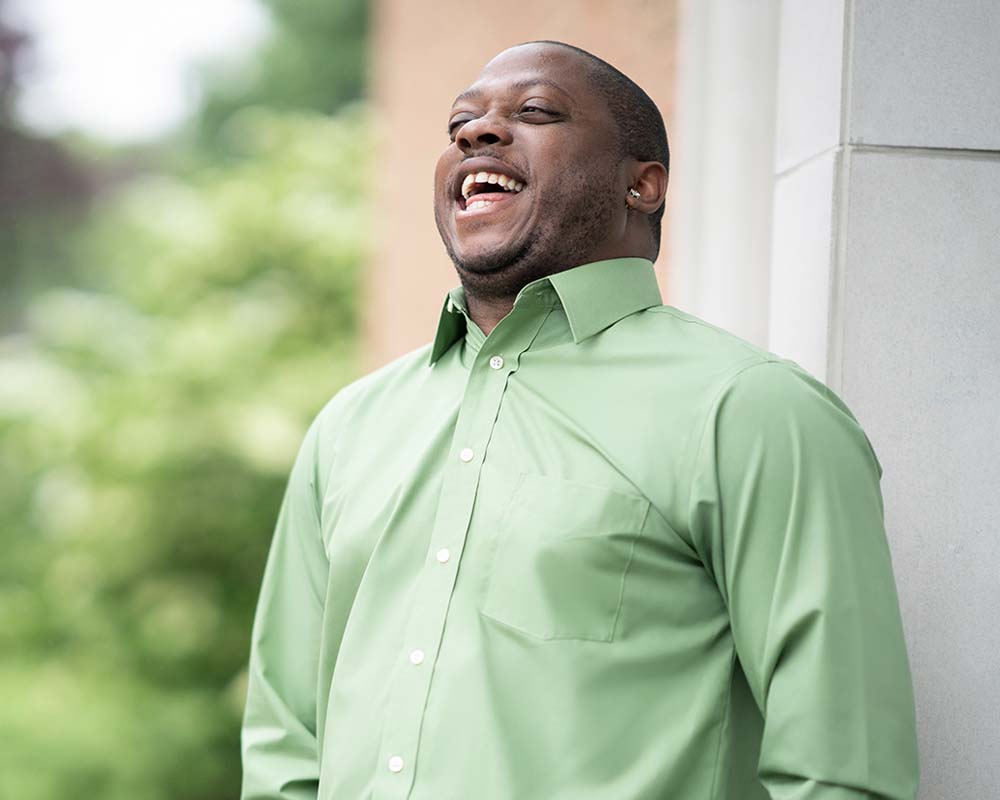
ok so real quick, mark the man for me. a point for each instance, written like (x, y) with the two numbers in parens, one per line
(582, 545)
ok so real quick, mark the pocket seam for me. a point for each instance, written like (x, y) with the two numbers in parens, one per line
(625, 572)
(503, 524)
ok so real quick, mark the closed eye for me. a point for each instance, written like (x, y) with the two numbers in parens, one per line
(454, 125)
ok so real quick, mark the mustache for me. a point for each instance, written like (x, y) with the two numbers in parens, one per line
(499, 156)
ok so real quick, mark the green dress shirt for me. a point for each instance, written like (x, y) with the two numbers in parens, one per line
(608, 552)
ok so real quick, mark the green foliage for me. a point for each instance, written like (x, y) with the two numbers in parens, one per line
(163, 346)
(148, 422)
(316, 60)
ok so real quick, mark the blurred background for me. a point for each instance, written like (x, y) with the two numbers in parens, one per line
(182, 229)
(215, 215)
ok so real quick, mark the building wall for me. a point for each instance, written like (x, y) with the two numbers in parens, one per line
(423, 55)
(888, 286)
(883, 281)
(720, 207)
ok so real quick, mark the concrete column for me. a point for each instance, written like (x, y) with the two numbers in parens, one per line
(722, 174)
(885, 282)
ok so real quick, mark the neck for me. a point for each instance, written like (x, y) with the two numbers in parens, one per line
(487, 308)
(488, 311)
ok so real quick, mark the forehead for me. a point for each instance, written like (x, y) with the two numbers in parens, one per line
(527, 66)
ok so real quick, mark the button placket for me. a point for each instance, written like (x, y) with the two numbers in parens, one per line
(410, 687)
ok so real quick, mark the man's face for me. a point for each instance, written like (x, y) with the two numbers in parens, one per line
(531, 117)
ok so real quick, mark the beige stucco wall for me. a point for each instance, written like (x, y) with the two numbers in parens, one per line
(423, 54)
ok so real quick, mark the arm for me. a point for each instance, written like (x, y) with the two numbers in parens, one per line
(786, 511)
(279, 748)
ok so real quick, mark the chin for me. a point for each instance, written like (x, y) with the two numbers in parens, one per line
(491, 259)
(485, 261)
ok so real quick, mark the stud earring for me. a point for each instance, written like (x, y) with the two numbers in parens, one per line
(633, 193)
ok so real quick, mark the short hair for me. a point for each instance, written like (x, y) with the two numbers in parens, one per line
(639, 124)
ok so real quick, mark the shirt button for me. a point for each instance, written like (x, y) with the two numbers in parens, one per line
(395, 763)
(443, 555)
(417, 657)
(496, 362)
(466, 454)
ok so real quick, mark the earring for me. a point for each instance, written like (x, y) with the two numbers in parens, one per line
(632, 192)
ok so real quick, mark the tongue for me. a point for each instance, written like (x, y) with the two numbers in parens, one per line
(494, 196)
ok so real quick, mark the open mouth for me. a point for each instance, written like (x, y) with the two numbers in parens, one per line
(487, 191)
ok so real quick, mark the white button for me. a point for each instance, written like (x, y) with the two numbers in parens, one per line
(466, 454)
(417, 657)
(395, 763)
(496, 362)
(443, 555)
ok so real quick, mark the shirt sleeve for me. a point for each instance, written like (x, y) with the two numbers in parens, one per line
(786, 512)
(278, 736)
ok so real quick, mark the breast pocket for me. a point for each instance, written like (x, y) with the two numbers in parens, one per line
(562, 557)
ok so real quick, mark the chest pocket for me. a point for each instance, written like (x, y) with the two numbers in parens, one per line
(562, 557)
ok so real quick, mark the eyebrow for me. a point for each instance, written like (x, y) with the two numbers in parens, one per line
(527, 83)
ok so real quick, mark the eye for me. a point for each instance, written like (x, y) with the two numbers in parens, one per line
(454, 125)
(529, 109)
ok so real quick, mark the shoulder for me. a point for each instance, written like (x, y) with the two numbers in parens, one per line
(350, 401)
(679, 346)
(696, 365)
(671, 329)
(776, 404)
(758, 380)
(354, 396)
(775, 388)
(751, 397)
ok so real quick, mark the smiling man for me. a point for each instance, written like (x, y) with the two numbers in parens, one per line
(581, 545)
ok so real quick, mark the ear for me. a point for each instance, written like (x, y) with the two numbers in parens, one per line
(649, 179)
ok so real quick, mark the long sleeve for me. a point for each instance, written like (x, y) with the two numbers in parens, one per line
(279, 745)
(786, 512)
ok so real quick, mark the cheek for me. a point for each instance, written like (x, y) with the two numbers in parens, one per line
(441, 174)
(570, 171)
(573, 184)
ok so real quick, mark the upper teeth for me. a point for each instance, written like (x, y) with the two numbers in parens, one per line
(508, 184)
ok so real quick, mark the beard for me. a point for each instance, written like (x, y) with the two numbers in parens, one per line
(570, 233)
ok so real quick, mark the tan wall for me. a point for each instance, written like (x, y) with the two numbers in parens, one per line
(423, 54)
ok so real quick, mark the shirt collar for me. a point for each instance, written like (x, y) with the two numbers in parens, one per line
(593, 295)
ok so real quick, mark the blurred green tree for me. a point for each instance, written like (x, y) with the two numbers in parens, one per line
(316, 60)
(150, 408)
(148, 428)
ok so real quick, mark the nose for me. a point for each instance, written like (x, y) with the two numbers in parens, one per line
(487, 129)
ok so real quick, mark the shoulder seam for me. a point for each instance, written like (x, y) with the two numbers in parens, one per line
(746, 345)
